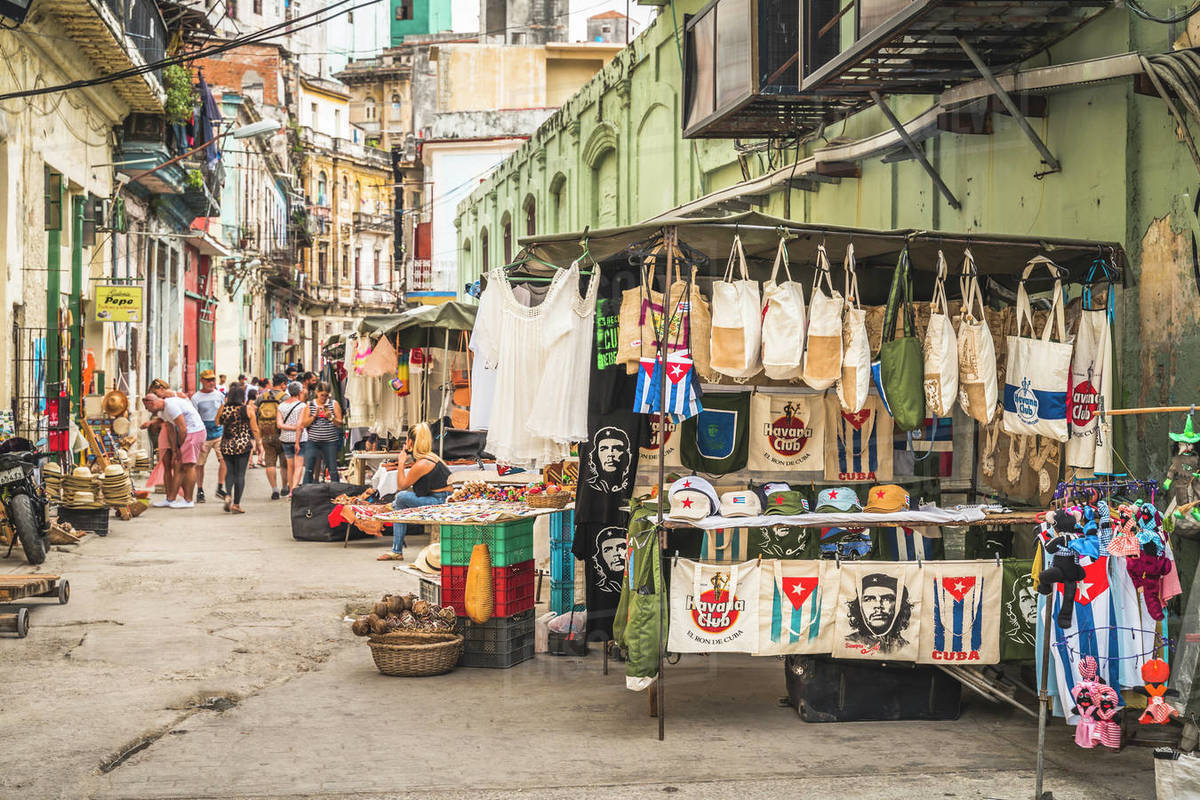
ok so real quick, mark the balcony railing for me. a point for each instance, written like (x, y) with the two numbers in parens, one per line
(144, 24)
(420, 275)
(381, 223)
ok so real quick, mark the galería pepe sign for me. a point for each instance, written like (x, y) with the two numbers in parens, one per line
(118, 304)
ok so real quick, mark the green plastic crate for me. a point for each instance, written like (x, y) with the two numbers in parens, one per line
(508, 542)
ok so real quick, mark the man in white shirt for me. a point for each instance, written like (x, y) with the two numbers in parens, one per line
(185, 432)
(208, 402)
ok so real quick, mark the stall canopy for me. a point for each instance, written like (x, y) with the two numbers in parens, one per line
(995, 254)
(415, 328)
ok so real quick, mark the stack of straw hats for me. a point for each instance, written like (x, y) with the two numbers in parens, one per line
(52, 474)
(117, 488)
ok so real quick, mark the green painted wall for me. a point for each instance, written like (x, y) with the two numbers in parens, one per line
(1126, 177)
(429, 16)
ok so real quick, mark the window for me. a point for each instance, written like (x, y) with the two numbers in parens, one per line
(345, 192)
(606, 28)
(395, 104)
(376, 271)
(313, 118)
(323, 265)
(483, 250)
(357, 265)
(345, 262)
(369, 108)
(231, 9)
(530, 216)
(508, 240)
(496, 17)
(337, 122)
(258, 7)
(350, 17)
(404, 9)
(357, 195)
(322, 198)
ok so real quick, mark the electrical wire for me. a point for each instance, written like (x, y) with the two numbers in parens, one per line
(1137, 8)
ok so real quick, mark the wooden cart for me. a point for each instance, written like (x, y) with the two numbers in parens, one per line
(17, 587)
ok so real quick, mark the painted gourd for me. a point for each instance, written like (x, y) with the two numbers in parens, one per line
(479, 597)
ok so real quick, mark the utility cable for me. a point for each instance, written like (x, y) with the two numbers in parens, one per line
(1137, 8)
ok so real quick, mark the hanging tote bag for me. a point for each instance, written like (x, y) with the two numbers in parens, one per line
(714, 609)
(941, 350)
(901, 363)
(977, 386)
(736, 320)
(1038, 376)
(783, 322)
(823, 361)
(797, 607)
(855, 382)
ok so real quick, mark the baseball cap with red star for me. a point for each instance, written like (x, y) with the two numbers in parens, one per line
(887, 499)
(692, 498)
(838, 500)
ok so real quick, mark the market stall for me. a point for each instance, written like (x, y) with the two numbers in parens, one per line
(972, 374)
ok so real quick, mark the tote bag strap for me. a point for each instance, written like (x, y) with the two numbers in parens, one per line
(851, 281)
(972, 296)
(822, 271)
(938, 304)
(737, 255)
(781, 256)
(900, 284)
(1056, 317)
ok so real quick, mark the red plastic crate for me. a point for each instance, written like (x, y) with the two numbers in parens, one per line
(513, 588)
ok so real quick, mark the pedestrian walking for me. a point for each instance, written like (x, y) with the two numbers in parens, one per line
(183, 432)
(291, 435)
(268, 425)
(239, 440)
(208, 401)
(322, 421)
(423, 483)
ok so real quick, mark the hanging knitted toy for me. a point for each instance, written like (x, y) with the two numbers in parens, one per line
(1108, 705)
(1147, 571)
(1155, 673)
(1063, 563)
(1086, 696)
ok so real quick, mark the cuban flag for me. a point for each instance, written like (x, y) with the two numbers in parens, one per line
(907, 544)
(681, 397)
(801, 617)
(957, 614)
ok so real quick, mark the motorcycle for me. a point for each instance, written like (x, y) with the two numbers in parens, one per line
(23, 499)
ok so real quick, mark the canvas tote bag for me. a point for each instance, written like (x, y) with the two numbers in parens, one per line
(783, 322)
(736, 320)
(1038, 376)
(855, 382)
(714, 609)
(641, 317)
(797, 605)
(823, 361)
(901, 363)
(941, 350)
(1090, 365)
(977, 387)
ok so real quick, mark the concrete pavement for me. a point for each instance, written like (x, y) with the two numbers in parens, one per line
(204, 655)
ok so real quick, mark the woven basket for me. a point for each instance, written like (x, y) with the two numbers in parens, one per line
(419, 657)
(544, 500)
(409, 637)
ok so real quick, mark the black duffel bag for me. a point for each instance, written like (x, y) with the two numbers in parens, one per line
(312, 503)
(458, 445)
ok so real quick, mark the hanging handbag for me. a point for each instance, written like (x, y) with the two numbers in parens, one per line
(1038, 376)
(941, 350)
(855, 382)
(713, 609)
(977, 385)
(1091, 364)
(736, 320)
(783, 322)
(823, 360)
(901, 364)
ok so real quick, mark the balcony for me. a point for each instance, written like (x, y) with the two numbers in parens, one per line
(767, 67)
(117, 35)
(378, 223)
(420, 275)
(145, 143)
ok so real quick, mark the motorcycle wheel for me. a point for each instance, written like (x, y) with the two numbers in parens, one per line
(24, 519)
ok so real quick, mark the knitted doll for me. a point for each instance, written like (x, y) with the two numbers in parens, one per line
(1108, 705)
(1086, 696)
(1063, 564)
(1147, 571)
(1155, 673)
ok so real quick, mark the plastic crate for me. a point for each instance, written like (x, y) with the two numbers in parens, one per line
(562, 538)
(512, 588)
(508, 542)
(562, 596)
(431, 589)
(94, 520)
(497, 661)
(499, 635)
(562, 527)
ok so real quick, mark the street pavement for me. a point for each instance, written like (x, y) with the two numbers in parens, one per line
(204, 655)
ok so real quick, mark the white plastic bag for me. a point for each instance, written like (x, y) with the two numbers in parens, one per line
(941, 350)
(823, 359)
(855, 381)
(736, 320)
(783, 322)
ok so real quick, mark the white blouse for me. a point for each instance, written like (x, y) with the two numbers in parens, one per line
(560, 409)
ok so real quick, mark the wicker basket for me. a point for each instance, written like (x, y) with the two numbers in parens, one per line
(545, 500)
(409, 637)
(418, 657)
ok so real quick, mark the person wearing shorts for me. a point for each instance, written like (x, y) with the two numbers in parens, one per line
(291, 435)
(208, 402)
(269, 401)
(185, 433)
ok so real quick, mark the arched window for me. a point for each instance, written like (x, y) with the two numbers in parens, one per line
(345, 198)
(506, 226)
(369, 108)
(530, 208)
(358, 195)
(322, 196)
(395, 104)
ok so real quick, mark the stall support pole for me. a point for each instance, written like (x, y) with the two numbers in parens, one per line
(1043, 699)
(669, 236)
(442, 408)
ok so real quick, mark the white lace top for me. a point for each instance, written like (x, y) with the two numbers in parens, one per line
(560, 409)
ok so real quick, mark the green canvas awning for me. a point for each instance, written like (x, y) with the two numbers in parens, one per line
(416, 327)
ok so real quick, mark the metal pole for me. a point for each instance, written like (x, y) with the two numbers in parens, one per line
(916, 151)
(76, 306)
(445, 358)
(1043, 697)
(669, 238)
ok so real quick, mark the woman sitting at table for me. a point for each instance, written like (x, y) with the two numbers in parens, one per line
(423, 483)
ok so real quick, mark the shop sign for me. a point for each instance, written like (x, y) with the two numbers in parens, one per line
(118, 304)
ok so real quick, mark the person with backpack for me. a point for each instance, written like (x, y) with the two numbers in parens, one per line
(268, 402)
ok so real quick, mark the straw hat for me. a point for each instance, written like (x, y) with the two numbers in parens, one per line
(121, 426)
(115, 403)
(429, 560)
(52, 468)
(82, 473)
(114, 470)
(83, 498)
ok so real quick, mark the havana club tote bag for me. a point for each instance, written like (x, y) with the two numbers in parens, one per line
(714, 609)
(796, 606)
(736, 320)
(823, 360)
(960, 610)
(1038, 376)
(1089, 363)
(783, 322)
(941, 350)
(855, 382)
(978, 393)
(787, 432)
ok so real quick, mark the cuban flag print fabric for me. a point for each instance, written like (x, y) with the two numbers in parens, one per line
(681, 399)
(961, 608)
(858, 447)
(797, 607)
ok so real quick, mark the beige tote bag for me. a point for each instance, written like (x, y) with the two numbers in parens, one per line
(940, 350)
(855, 381)
(977, 388)
(783, 322)
(823, 361)
(736, 320)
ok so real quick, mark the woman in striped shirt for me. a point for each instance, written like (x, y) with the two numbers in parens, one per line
(322, 420)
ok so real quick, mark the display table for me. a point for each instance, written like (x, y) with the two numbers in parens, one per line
(929, 515)
(363, 463)
(384, 480)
